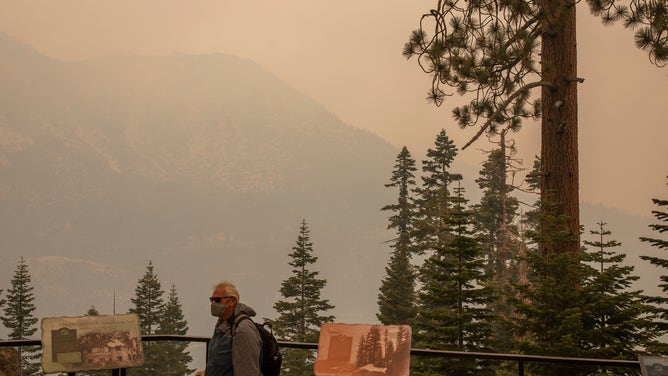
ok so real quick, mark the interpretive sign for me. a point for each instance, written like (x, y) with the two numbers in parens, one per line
(653, 365)
(71, 344)
(363, 350)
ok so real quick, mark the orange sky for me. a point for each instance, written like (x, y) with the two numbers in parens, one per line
(346, 54)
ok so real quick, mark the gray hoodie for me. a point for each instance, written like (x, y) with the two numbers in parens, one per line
(246, 346)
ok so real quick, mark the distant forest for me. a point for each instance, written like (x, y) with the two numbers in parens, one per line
(465, 277)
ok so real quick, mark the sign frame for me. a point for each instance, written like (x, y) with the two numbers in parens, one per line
(87, 343)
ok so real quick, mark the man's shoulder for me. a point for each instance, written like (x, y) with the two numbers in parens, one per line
(243, 322)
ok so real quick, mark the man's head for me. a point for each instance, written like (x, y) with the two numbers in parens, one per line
(224, 300)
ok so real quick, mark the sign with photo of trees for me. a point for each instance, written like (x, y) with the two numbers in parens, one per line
(363, 350)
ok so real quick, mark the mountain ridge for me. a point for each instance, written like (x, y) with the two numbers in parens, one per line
(203, 164)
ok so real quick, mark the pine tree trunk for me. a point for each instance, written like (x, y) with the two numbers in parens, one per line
(559, 150)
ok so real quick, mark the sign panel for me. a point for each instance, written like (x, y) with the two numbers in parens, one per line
(71, 344)
(653, 365)
(363, 350)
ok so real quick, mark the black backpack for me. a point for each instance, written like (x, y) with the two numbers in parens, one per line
(271, 354)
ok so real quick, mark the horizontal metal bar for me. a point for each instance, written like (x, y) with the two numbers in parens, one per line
(420, 352)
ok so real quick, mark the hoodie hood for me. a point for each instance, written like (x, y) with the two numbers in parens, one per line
(242, 308)
(239, 309)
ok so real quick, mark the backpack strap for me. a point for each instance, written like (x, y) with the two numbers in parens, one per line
(238, 319)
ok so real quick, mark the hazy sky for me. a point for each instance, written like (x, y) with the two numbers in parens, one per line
(346, 54)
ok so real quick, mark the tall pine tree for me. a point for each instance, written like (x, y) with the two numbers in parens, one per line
(175, 357)
(301, 311)
(148, 305)
(453, 313)
(616, 318)
(660, 302)
(433, 202)
(396, 300)
(495, 217)
(19, 320)
(370, 349)
(548, 317)
(499, 52)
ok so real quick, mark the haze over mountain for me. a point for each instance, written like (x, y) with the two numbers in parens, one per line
(203, 164)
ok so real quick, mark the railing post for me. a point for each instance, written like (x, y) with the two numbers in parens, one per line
(520, 368)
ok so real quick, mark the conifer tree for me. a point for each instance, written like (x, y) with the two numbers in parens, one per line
(148, 305)
(495, 220)
(370, 349)
(659, 302)
(499, 52)
(433, 200)
(396, 300)
(175, 357)
(92, 311)
(595, 314)
(495, 214)
(302, 310)
(549, 308)
(403, 344)
(452, 313)
(19, 320)
(388, 351)
(616, 318)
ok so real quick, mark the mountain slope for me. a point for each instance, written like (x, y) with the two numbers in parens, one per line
(203, 164)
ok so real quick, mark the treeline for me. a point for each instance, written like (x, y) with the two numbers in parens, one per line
(301, 312)
(477, 276)
(465, 276)
(158, 313)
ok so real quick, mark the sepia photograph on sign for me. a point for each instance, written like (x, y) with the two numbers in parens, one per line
(87, 343)
(653, 365)
(363, 350)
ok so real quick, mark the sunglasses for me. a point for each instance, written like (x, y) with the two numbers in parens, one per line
(219, 299)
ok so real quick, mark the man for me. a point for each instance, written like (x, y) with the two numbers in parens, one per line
(235, 347)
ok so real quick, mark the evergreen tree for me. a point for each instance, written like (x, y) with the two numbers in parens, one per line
(531, 218)
(396, 300)
(660, 302)
(175, 357)
(616, 318)
(149, 305)
(403, 344)
(19, 320)
(452, 314)
(500, 51)
(92, 311)
(433, 202)
(388, 351)
(494, 218)
(370, 350)
(596, 314)
(549, 308)
(301, 311)
(2, 300)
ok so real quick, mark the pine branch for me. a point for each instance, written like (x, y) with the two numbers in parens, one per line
(504, 105)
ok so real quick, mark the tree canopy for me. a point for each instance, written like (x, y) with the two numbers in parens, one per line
(499, 52)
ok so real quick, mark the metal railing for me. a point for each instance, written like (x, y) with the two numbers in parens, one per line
(521, 360)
